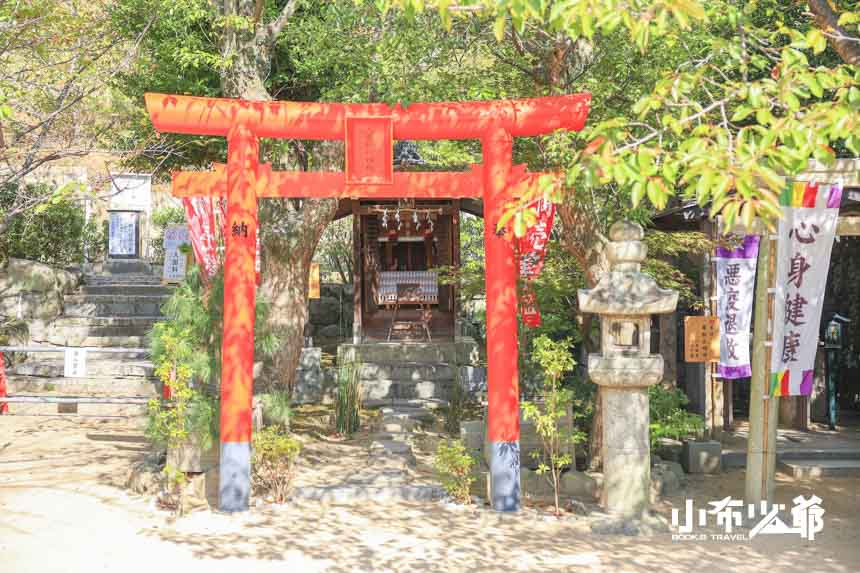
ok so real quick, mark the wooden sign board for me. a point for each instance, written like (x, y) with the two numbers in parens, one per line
(702, 339)
(175, 261)
(314, 281)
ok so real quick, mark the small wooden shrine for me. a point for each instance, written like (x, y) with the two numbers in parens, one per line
(399, 249)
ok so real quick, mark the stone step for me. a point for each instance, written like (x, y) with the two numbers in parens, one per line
(362, 493)
(90, 386)
(110, 367)
(405, 371)
(107, 321)
(123, 331)
(93, 410)
(404, 436)
(92, 340)
(126, 289)
(93, 387)
(122, 279)
(412, 389)
(463, 351)
(82, 305)
(126, 267)
(414, 403)
(811, 469)
(390, 427)
(391, 447)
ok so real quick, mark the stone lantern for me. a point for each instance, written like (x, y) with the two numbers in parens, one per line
(625, 298)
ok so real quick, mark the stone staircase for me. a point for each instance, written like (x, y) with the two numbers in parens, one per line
(110, 311)
(398, 371)
(389, 471)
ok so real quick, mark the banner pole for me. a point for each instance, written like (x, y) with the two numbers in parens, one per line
(762, 431)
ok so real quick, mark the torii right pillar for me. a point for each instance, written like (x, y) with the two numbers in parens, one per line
(503, 421)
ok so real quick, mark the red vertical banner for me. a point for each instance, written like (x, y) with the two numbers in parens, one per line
(203, 233)
(4, 406)
(532, 249)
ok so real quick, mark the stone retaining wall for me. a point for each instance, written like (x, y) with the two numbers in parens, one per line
(330, 316)
(34, 291)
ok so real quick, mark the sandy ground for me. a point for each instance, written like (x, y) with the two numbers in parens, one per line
(63, 508)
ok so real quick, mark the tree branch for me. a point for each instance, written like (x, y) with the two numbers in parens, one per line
(275, 27)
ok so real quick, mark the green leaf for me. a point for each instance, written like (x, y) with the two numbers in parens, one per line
(741, 113)
(813, 85)
(637, 193)
(499, 27)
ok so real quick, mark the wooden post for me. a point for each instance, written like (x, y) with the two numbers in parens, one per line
(764, 409)
(713, 387)
(455, 263)
(357, 274)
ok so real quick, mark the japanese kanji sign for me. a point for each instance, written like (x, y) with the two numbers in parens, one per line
(735, 286)
(702, 339)
(175, 261)
(806, 232)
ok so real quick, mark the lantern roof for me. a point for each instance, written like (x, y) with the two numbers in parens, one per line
(625, 289)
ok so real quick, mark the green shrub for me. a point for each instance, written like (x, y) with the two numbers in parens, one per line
(669, 418)
(453, 466)
(555, 359)
(161, 218)
(347, 406)
(276, 408)
(55, 233)
(274, 462)
(186, 351)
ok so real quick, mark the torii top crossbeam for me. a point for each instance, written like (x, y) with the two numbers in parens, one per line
(368, 132)
(310, 120)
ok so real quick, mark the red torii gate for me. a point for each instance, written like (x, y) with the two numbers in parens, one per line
(369, 131)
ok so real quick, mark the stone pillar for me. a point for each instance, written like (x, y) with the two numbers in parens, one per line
(237, 349)
(626, 451)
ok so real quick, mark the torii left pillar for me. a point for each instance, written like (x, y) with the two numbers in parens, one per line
(503, 410)
(237, 346)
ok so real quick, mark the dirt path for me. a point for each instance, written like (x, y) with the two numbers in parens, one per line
(62, 508)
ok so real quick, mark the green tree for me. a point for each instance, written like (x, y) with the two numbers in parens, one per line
(57, 59)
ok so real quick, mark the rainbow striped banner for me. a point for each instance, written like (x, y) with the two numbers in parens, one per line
(807, 195)
(806, 233)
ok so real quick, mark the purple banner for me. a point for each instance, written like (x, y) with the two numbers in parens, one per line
(735, 287)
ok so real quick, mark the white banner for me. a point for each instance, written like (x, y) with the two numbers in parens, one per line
(122, 233)
(735, 288)
(806, 233)
(175, 260)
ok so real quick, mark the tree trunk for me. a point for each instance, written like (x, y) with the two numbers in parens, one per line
(287, 264)
(826, 18)
(289, 229)
(582, 238)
